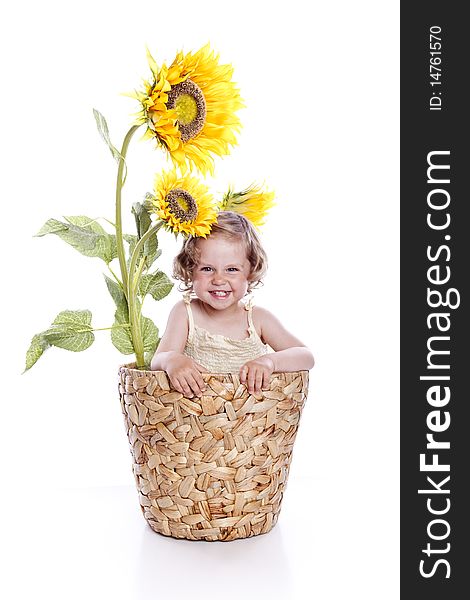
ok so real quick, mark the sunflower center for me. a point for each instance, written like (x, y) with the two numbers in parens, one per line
(187, 99)
(182, 204)
(186, 108)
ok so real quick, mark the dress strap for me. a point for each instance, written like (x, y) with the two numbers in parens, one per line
(187, 301)
(249, 309)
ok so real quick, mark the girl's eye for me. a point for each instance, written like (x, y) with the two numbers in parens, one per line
(232, 269)
(206, 269)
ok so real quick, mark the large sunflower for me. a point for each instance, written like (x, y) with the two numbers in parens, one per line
(184, 204)
(190, 108)
(252, 202)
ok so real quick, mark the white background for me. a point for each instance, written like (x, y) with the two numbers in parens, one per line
(320, 81)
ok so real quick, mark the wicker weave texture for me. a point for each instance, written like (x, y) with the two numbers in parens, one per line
(211, 468)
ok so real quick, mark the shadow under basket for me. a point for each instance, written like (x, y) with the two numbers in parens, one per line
(215, 467)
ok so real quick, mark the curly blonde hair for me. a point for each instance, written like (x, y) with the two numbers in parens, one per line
(232, 226)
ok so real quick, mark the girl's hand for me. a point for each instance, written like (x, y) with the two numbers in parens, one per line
(256, 374)
(185, 375)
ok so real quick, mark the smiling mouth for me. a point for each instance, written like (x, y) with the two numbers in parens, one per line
(219, 293)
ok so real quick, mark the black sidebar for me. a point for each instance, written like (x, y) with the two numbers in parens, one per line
(435, 257)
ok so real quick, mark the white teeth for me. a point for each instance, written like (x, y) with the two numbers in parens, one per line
(220, 293)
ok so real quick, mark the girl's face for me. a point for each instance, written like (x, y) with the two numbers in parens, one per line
(221, 277)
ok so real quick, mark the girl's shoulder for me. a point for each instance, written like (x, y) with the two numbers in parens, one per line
(179, 307)
(261, 311)
(179, 312)
(262, 317)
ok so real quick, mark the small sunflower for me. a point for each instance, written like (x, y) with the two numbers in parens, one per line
(184, 204)
(189, 108)
(253, 203)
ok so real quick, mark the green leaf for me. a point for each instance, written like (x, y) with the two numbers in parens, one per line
(104, 132)
(132, 241)
(121, 335)
(82, 221)
(142, 218)
(150, 334)
(36, 350)
(148, 358)
(71, 330)
(83, 234)
(143, 223)
(51, 226)
(106, 241)
(156, 284)
(121, 339)
(121, 332)
(116, 292)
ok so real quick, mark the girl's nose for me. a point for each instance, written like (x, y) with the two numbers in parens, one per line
(217, 279)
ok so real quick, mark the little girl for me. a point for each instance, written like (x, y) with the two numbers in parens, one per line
(216, 332)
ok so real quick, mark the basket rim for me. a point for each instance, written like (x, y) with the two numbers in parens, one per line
(132, 367)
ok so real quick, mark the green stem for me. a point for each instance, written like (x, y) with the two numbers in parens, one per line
(139, 246)
(87, 330)
(119, 184)
(118, 281)
(108, 328)
(135, 316)
(138, 274)
(110, 222)
(132, 290)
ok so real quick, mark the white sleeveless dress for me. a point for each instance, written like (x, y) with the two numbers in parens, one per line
(218, 353)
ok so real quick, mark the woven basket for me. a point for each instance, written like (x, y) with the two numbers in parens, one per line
(211, 468)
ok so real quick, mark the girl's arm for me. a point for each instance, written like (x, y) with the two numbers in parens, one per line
(174, 338)
(290, 354)
(184, 373)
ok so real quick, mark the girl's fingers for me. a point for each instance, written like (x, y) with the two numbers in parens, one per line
(258, 381)
(176, 384)
(266, 379)
(185, 388)
(197, 376)
(195, 384)
(255, 377)
(189, 383)
(200, 381)
(251, 380)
